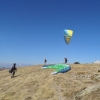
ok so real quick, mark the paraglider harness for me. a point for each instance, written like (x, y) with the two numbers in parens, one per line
(11, 70)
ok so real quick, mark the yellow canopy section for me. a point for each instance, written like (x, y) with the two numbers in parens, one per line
(68, 35)
(70, 32)
(68, 40)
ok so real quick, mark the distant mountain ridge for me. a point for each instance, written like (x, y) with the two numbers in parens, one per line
(3, 68)
(9, 65)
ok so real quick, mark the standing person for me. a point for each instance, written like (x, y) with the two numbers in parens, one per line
(45, 61)
(65, 60)
(13, 69)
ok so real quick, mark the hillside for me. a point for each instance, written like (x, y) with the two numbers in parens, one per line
(34, 83)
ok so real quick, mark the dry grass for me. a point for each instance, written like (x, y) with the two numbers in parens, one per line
(34, 83)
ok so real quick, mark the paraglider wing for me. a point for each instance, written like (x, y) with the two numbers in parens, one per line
(67, 35)
(59, 68)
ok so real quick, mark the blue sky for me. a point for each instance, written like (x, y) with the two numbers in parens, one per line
(31, 30)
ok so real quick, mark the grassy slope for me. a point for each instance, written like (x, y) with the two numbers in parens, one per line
(34, 83)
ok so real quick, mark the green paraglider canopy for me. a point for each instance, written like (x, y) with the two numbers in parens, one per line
(59, 68)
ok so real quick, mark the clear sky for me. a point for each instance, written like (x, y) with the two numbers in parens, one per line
(31, 30)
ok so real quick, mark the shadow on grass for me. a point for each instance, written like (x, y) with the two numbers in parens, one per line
(15, 76)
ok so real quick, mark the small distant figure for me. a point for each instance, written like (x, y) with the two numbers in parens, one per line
(65, 60)
(45, 61)
(13, 70)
